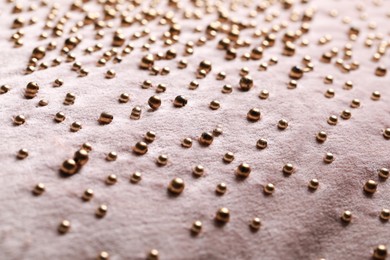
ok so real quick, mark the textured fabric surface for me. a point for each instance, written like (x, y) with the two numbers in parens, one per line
(296, 223)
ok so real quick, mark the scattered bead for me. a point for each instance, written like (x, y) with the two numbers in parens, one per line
(346, 217)
(196, 227)
(380, 252)
(64, 227)
(313, 184)
(19, 120)
(384, 173)
(332, 120)
(154, 102)
(370, 187)
(39, 189)
(264, 94)
(292, 84)
(246, 83)
(75, 126)
(4, 89)
(261, 143)
(111, 179)
(226, 89)
(101, 211)
(228, 157)
(81, 157)
(222, 215)
(153, 255)
(162, 160)
(346, 114)
(136, 177)
(221, 188)
(103, 256)
(124, 98)
(136, 113)
(69, 167)
(380, 71)
(140, 148)
(206, 139)
(180, 101)
(253, 115)
(328, 158)
(385, 214)
(375, 95)
(87, 195)
(22, 154)
(269, 189)
(176, 186)
(282, 124)
(355, 103)
(69, 99)
(255, 224)
(111, 156)
(288, 168)
(214, 105)
(243, 170)
(296, 73)
(198, 171)
(330, 93)
(105, 118)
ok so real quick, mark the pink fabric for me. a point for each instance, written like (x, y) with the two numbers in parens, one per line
(296, 223)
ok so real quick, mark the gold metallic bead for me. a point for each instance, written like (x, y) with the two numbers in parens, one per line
(110, 74)
(111, 179)
(384, 173)
(255, 224)
(347, 216)
(206, 139)
(205, 65)
(253, 115)
(180, 101)
(292, 84)
(327, 57)
(332, 120)
(43, 102)
(380, 71)
(30, 69)
(87, 147)
(146, 84)
(355, 103)
(182, 64)
(56, 62)
(4, 89)
(101, 211)
(31, 90)
(59, 117)
(221, 75)
(140, 148)
(193, 85)
(87, 195)
(228, 157)
(105, 118)
(39, 189)
(226, 89)
(217, 131)
(165, 71)
(186, 143)
(176, 186)
(69, 99)
(328, 158)
(124, 98)
(243, 170)
(214, 105)
(75, 126)
(261, 143)
(170, 54)
(161, 88)
(81, 157)
(221, 188)
(329, 93)
(348, 85)
(83, 72)
(111, 156)
(22, 154)
(385, 214)
(153, 255)
(150, 136)
(296, 73)
(135, 177)
(273, 60)
(346, 114)
(198, 171)
(328, 79)
(147, 62)
(76, 66)
(282, 124)
(246, 83)
(231, 54)
(380, 252)
(162, 160)
(256, 53)
(313, 184)
(136, 113)
(69, 167)
(101, 62)
(269, 189)
(39, 52)
(244, 71)
(43, 66)
(375, 95)
(222, 215)
(196, 227)
(370, 186)
(289, 49)
(70, 57)
(321, 136)
(64, 227)
(263, 66)
(19, 120)
(154, 102)
(264, 94)
(103, 256)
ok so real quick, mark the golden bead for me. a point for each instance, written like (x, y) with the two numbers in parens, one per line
(221, 75)
(282, 124)
(205, 65)
(257, 53)
(330, 93)
(22, 154)
(105, 118)
(103, 256)
(347, 216)
(193, 85)
(206, 139)
(292, 84)
(246, 83)
(150, 136)
(214, 105)
(111, 156)
(253, 115)
(153, 255)
(83, 72)
(370, 186)
(176, 186)
(64, 227)
(313, 184)
(244, 71)
(4, 89)
(328, 79)
(196, 227)
(154, 102)
(355, 103)
(255, 224)
(198, 171)
(348, 85)
(375, 95)
(101, 211)
(226, 89)
(186, 143)
(19, 120)
(228, 157)
(43, 102)
(87, 147)
(87, 195)
(32, 89)
(222, 215)
(321, 136)
(346, 114)
(140, 148)
(69, 167)
(385, 214)
(221, 188)
(243, 170)
(161, 88)
(136, 113)
(263, 66)
(264, 94)
(180, 101)
(81, 157)
(75, 126)
(147, 62)
(162, 160)
(296, 73)
(261, 143)
(135, 177)
(328, 158)
(39, 52)
(111, 179)
(69, 99)
(217, 131)
(182, 64)
(124, 98)
(384, 173)
(39, 189)
(332, 120)
(269, 189)
(110, 74)
(288, 168)
(380, 252)
(59, 117)
(380, 71)
(76, 66)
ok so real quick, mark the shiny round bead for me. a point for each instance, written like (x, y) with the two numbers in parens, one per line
(19, 120)
(346, 114)
(101, 211)
(136, 113)
(205, 65)
(150, 136)
(244, 71)
(39, 52)
(161, 88)
(228, 157)
(282, 124)
(124, 98)
(81, 157)
(269, 189)
(180, 101)
(348, 85)
(140, 148)
(58, 83)
(110, 74)
(198, 171)
(153, 255)
(217, 131)
(69, 99)
(223, 215)
(380, 252)
(64, 227)
(261, 143)
(221, 188)
(296, 73)
(384, 173)
(111, 179)
(87, 147)
(292, 84)
(103, 256)
(154, 102)
(43, 102)
(321, 136)
(370, 186)
(76, 66)
(355, 103)
(111, 156)
(385, 214)
(135, 177)
(69, 167)
(330, 93)
(253, 115)
(375, 95)
(176, 186)
(346, 216)
(183, 63)
(255, 224)
(105, 118)
(147, 62)
(146, 84)
(328, 79)
(380, 71)
(264, 94)
(196, 227)
(313, 184)
(83, 72)
(186, 143)
(214, 105)
(226, 89)
(332, 120)
(87, 195)
(39, 189)
(22, 154)
(206, 139)
(221, 75)
(243, 170)
(75, 126)
(4, 89)
(288, 168)
(193, 85)
(328, 158)
(246, 83)
(162, 160)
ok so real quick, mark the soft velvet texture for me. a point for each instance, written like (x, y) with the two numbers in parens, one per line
(296, 223)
